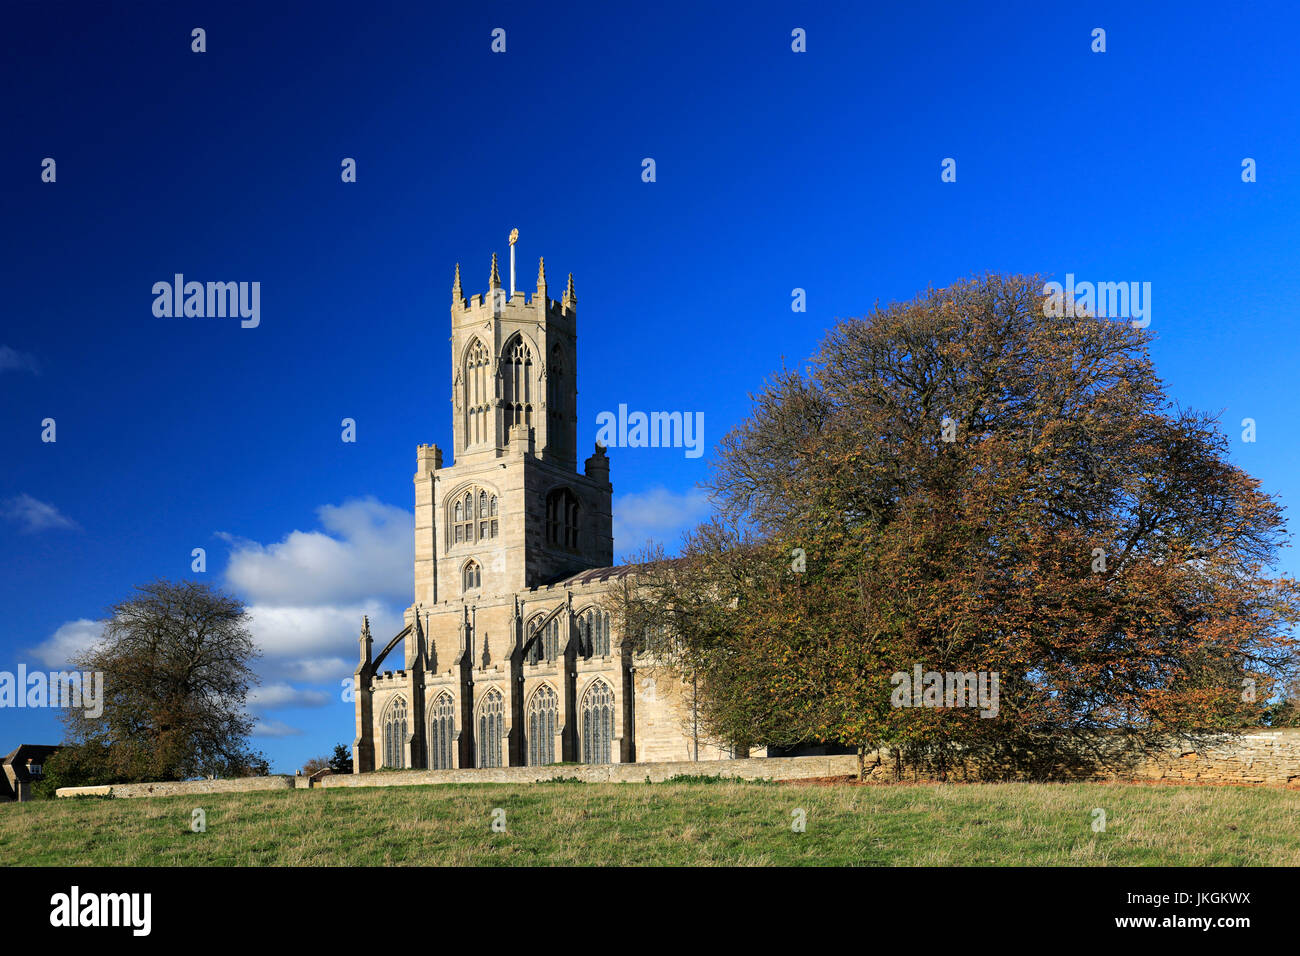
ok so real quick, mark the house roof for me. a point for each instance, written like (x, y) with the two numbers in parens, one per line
(13, 769)
(26, 752)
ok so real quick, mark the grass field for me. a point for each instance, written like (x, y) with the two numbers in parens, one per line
(693, 823)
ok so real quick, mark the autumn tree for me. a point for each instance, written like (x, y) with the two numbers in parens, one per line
(176, 663)
(967, 483)
(313, 765)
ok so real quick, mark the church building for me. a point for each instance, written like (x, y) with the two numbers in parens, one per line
(512, 656)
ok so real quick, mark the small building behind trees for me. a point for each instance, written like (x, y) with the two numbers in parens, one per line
(21, 768)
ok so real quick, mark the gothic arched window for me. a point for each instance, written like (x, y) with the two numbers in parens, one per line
(601, 627)
(517, 382)
(464, 521)
(442, 727)
(546, 644)
(597, 723)
(478, 397)
(395, 734)
(551, 638)
(534, 646)
(491, 714)
(471, 522)
(471, 576)
(543, 715)
(593, 633)
(562, 519)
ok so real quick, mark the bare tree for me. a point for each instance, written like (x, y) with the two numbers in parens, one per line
(176, 664)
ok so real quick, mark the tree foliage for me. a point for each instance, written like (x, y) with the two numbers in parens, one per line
(341, 760)
(176, 663)
(968, 484)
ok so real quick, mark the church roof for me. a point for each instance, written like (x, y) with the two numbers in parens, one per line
(593, 576)
(600, 575)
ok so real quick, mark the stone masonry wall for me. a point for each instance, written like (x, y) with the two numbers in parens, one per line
(1259, 756)
(1270, 757)
(778, 768)
(183, 787)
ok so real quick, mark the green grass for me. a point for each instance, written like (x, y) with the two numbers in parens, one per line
(728, 823)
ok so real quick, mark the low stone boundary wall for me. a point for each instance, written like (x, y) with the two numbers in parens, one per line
(1255, 756)
(1258, 756)
(760, 768)
(775, 768)
(181, 787)
(1269, 757)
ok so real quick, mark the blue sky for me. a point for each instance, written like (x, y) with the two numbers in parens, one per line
(775, 170)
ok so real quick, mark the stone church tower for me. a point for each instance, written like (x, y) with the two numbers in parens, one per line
(510, 655)
(514, 408)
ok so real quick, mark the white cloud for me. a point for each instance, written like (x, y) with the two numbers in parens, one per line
(315, 643)
(34, 515)
(317, 670)
(71, 638)
(657, 515)
(366, 552)
(307, 592)
(274, 728)
(281, 695)
(13, 360)
(305, 596)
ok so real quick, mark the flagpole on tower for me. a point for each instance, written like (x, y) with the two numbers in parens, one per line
(514, 237)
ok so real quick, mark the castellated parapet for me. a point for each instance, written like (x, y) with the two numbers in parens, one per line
(427, 458)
